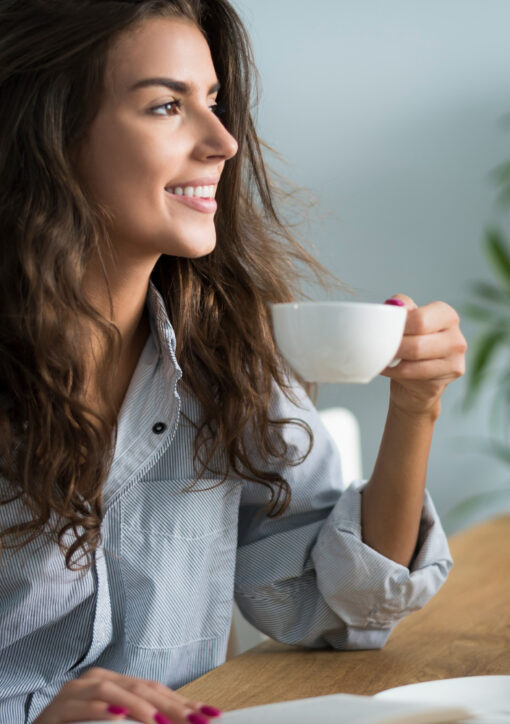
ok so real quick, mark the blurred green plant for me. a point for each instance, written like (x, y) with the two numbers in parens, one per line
(489, 306)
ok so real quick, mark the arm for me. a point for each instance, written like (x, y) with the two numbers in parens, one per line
(432, 353)
(393, 498)
(307, 577)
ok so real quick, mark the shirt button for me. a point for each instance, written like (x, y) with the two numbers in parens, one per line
(158, 428)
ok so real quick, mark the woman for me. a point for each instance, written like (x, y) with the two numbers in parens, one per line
(158, 456)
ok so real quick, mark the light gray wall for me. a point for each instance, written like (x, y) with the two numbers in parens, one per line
(390, 114)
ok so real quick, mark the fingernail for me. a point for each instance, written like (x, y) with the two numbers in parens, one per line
(117, 710)
(161, 718)
(197, 719)
(210, 711)
(396, 302)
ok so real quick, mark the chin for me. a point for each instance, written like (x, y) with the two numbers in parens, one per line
(194, 249)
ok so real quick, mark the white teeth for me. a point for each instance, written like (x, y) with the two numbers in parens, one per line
(204, 192)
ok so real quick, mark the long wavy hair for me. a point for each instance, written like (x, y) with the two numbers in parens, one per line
(55, 450)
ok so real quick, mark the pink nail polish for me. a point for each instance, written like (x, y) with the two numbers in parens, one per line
(161, 718)
(396, 302)
(197, 719)
(210, 711)
(117, 710)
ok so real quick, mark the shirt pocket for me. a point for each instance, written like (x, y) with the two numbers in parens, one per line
(178, 552)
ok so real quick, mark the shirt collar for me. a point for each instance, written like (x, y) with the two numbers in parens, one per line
(161, 327)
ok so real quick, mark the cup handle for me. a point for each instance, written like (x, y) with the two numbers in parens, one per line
(395, 362)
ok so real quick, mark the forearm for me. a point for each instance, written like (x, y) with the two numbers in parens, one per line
(393, 498)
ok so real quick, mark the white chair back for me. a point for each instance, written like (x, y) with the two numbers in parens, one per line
(343, 427)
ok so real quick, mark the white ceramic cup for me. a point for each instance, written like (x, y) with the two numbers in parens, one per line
(338, 341)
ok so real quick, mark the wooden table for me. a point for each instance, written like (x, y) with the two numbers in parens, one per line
(463, 631)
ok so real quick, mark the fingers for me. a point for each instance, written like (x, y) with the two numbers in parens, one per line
(433, 317)
(132, 681)
(430, 318)
(165, 691)
(109, 693)
(432, 346)
(166, 702)
(431, 369)
(432, 354)
(145, 701)
(80, 711)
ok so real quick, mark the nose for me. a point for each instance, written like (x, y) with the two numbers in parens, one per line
(215, 141)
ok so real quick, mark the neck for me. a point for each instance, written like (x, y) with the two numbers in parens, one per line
(130, 315)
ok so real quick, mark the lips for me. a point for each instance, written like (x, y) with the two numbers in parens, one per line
(203, 205)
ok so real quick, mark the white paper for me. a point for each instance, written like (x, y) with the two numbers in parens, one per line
(487, 696)
(344, 709)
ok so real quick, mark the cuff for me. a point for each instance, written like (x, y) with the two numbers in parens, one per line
(362, 586)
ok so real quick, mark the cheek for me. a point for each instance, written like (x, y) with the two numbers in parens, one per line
(123, 168)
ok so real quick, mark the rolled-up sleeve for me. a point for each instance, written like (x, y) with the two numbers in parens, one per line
(307, 577)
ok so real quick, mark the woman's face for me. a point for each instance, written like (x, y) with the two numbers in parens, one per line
(155, 151)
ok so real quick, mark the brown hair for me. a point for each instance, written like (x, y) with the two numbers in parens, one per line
(55, 450)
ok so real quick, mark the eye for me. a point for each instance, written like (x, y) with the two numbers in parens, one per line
(171, 105)
(171, 108)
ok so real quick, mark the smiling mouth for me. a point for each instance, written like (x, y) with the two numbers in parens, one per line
(196, 192)
(204, 204)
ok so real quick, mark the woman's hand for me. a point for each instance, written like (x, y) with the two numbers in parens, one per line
(433, 354)
(100, 694)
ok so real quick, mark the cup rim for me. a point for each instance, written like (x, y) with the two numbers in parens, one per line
(296, 305)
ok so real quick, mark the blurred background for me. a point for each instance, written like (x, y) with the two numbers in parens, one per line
(392, 115)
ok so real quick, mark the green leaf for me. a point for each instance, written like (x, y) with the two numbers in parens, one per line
(499, 418)
(490, 292)
(477, 312)
(485, 348)
(504, 398)
(498, 255)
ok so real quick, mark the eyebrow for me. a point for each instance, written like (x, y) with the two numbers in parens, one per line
(175, 85)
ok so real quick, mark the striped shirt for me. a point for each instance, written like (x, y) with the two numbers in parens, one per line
(157, 602)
